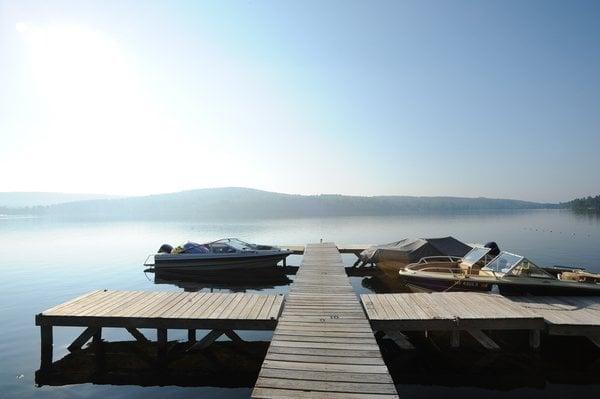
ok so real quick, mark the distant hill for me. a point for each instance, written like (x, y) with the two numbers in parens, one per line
(250, 203)
(587, 204)
(28, 199)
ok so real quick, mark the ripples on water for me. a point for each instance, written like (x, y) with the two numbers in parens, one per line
(44, 262)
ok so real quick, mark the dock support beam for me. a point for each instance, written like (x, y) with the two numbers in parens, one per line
(595, 339)
(83, 338)
(46, 340)
(454, 338)
(534, 338)
(162, 338)
(97, 336)
(484, 339)
(192, 335)
(135, 333)
(399, 339)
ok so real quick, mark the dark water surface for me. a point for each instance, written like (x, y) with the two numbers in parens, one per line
(45, 262)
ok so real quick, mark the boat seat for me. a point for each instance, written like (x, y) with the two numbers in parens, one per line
(580, 277)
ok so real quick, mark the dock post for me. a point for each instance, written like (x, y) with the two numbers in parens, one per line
(454, 338)
(162, 338)
(97, 337)
(192, 335)
(46, 341)
(534, 339)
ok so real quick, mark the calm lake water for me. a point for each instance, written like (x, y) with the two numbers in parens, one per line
(45, 262)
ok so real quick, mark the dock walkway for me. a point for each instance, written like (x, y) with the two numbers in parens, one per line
(323, 345)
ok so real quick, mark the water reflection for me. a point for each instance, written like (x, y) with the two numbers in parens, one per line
(383, 283)
(232, 281)
(223, 364)
(560, 360)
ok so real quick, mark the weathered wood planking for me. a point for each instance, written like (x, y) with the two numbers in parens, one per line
(565, 315)
(298, 249)
(448, 311)
(177, 310)
(323, 346)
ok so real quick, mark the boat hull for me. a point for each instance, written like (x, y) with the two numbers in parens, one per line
(216, 264)
(422, 283)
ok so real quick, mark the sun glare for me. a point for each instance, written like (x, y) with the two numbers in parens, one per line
(90, 101)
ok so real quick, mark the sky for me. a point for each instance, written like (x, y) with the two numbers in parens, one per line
(463, 98)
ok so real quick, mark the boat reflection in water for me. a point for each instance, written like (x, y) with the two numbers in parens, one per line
(232, 281)
(476, 372)
(380, 282)
(223, 364)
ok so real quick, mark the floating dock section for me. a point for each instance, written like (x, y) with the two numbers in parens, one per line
(450, 311)
(566, 315)
(219, 312)
(323, 346)
(474, 313)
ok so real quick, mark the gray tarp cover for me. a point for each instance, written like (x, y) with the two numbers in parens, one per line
(412, 249)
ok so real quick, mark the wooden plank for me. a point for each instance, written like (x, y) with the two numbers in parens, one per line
(323, 345)
(327, 386)
(376, 378)
(355, 368)
(356, 353)
(326, 359)
(321, 338)
(194, 300)
(295, 344)
(82, 298)
(266, 393)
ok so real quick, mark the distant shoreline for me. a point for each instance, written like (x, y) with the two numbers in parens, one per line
(244, 203)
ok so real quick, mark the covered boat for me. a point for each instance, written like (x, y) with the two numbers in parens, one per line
(394, 256)
(225, 254)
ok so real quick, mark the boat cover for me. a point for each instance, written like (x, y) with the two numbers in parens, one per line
(412, 249)
(190, 248)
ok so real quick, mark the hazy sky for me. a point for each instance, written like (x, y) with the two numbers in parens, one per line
(466, 98)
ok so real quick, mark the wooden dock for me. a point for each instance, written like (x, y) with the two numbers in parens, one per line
(566, 315)
(450, 311)
(323, 346)
(475, 313)
(355, 249)
(219, 312)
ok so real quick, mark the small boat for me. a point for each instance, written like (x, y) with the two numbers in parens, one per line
(520, 276)
(512, 275)
(449, 273)
(226, 254)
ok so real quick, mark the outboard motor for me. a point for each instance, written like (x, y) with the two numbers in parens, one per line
(494, 249)
(165, 249)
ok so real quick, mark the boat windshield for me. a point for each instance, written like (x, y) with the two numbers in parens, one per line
(475, 255)
(503, 262)
(526, 268)
(239, 244)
